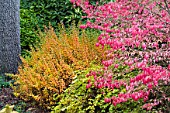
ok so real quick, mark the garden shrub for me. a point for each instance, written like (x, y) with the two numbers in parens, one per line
(5, 81)
(77, 98)
(53, 11)
(138, 34)
(29, 30)
(50, 69)
(34, 14)
(161, 93)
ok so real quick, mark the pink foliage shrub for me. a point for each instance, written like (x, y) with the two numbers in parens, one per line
(138, 34)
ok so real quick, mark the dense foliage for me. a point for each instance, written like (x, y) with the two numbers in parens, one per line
(5, 81)
(127, 71)
(77, 99)
(51, 67)
(138, 34)
(35, 14)
(29, 23)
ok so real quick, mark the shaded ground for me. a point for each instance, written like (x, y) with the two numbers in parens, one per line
(7, 97)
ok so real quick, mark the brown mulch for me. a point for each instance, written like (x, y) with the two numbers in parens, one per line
(7, 97)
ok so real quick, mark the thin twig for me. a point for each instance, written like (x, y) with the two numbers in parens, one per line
(166, 4)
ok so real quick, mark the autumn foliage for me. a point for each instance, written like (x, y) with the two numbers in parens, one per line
(138, 34)
(51, 67)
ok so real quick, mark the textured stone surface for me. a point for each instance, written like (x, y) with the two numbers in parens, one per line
(9, 35)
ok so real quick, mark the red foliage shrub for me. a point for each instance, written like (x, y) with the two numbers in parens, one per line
(138, 34)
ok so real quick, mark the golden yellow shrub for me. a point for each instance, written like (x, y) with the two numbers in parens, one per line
(51, 67)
